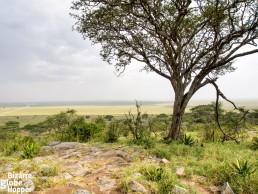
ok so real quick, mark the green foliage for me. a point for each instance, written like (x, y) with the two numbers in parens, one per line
(60, 122)
(109, 117)
(163, 176)
(27, 140)
(11, 125)
(243, 169)
(48, 171)
(145, 143)
(9, 130)
(6, 135)
(255, 143)
(234, 123)
(160, 123)
(11, 149)
(30, 150)
(145, 116)
(252, 117)
(36, 128)
(153, 173)
(204, 113)
(166, 184)
(162, 116)
(187, 140)
(202, 118)
(135, 124)
(81, 131)
(161, 152)
(113, 131)
(100, 121)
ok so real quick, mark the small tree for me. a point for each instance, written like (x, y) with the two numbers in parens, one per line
(189, 42)
(60, 122)
(135, 124)
(81, 131)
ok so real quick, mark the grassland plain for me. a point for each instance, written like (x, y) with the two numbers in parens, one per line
(32, 114)
(81, 110)
(110, 108)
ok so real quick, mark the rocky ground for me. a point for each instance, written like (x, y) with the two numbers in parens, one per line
(76, 168)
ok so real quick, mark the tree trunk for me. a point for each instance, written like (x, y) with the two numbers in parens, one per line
(179, 107)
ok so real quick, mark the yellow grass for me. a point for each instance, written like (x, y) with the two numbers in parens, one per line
(82, 110)
(110, 109)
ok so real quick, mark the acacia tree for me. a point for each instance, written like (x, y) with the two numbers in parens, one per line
(188, 42)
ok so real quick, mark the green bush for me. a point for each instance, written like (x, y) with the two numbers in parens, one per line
(113, 131)
(145, 143)
(163, 176)
(153, 173)
(48, 171)
(36, 128)
(11, 149)
(100, 121)
(243, 169)
(60, 122)
(163, 153)
(188, 140)
(81, 131)
(255, 143)
(109, 117)
(27, 140)
(30, 150)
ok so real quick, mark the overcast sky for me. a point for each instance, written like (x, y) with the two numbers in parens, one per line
(42, 59)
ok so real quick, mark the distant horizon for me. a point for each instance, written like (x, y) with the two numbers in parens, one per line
(115, 102)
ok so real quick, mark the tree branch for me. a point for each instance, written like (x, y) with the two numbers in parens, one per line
(220, 94)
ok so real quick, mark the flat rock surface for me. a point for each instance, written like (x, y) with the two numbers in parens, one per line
(76, 168)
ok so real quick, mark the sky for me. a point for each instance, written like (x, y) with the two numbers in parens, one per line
(42, 59)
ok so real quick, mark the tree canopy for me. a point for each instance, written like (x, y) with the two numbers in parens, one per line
(189, 42)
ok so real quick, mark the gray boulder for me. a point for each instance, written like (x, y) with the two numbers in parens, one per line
(66, 145)
(83, 192)
(179, 190)
(105, 183)
(226, 189)
(137, 187)
(80, 172)
(54, 143)
(180, 171)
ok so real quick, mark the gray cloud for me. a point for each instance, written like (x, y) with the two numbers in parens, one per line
(41, 58)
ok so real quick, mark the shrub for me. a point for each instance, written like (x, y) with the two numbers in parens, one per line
(46, 170)
(163, 176)
(109, 117)
(145, 143)
(60, 122)
(113, 131)
(30, 151)
(35, 128)
(27, 140)
(163, 153)
(100, 121)
(11, 149)
(243, 169)
(255, 143)
(81, 131)
(153, 173)
(188, 140)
